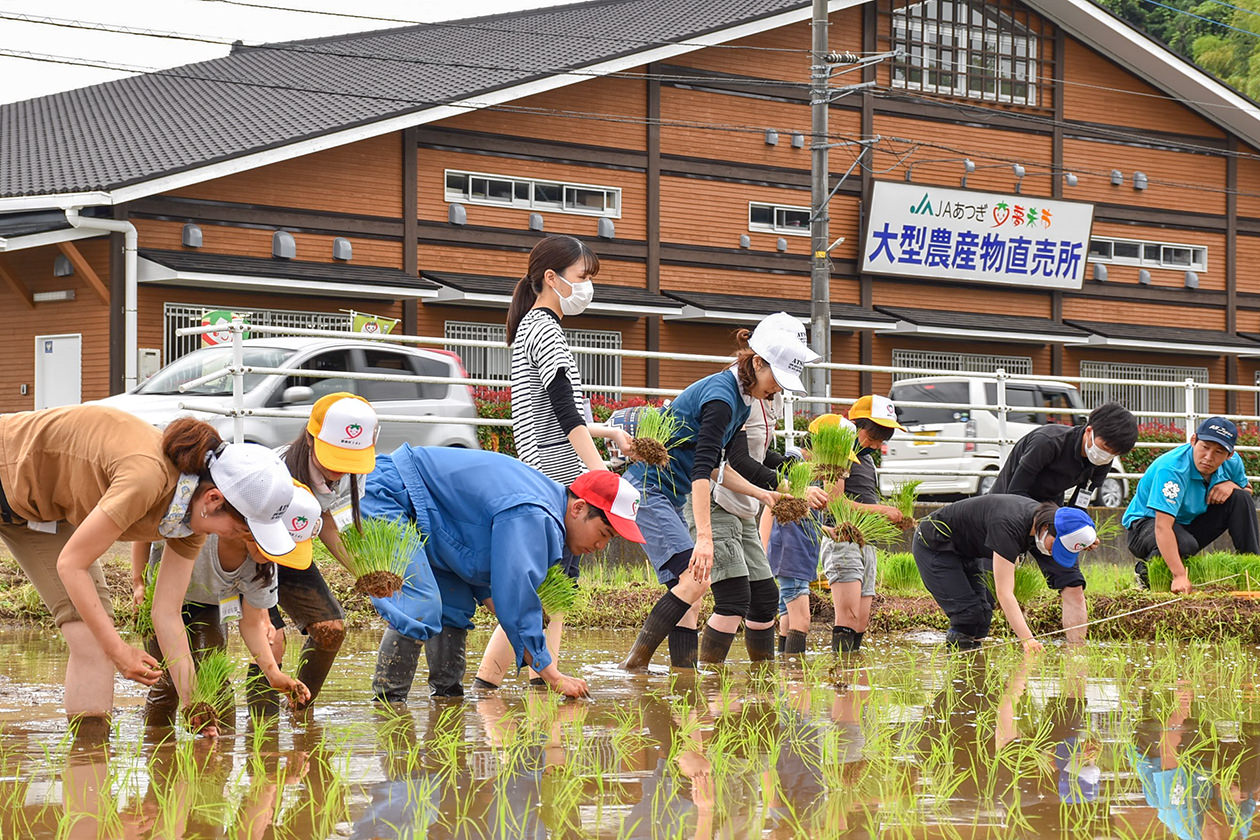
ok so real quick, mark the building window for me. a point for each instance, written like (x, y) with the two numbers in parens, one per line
(965, 48)
(1147, 254)
(778, 218)
(177, 316)
(496, 362)
(1140, 398)
(532, 194)
(966, 362)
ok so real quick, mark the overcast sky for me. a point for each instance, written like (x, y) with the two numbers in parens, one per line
(212, 19)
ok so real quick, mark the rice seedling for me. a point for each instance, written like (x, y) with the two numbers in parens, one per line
(1108, 529)
(897, 573)
(863, 527)
(793, 506)
(830, 446)
(557, 592)
(656, 431)
(142, 621)
(212, 697)
(380, 551)
(904, 496)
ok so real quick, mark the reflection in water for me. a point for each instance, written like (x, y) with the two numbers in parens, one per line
(1126, 741)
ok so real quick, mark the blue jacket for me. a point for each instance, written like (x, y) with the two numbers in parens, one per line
(492, 526)
(723, 386)
(1173, 484)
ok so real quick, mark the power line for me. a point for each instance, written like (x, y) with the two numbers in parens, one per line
(1201, 17)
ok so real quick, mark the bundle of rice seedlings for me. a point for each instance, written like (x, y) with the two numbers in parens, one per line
(864, 527)
(793, 507)
(142, 622)
(1108, 529)
(830, 446)
(557, 592)
(904, 497)
(898, 573)
(656, 429)
(212, 697)
(380, 551)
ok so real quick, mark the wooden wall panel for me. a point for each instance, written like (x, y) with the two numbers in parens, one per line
(1213, 278)
(1098, 90)
(1248, 262)
(255, 242)
(1176, 179)
(434, 206)
(87, 315)
(998, 300)
(502, 263)
(1194, 317)
(571, 114)
(360, 178)
(1248, 181)
(789, 285)
(782, 53)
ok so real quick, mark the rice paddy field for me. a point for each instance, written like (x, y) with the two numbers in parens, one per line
(1128, 739)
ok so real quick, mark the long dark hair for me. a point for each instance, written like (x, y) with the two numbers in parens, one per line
(554, 253)
(298, 459)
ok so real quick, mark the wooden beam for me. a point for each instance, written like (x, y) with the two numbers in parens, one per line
(83, 268)
(16, 285)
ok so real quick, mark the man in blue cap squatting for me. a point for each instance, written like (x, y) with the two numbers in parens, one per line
(1187, 498)
(493, 526)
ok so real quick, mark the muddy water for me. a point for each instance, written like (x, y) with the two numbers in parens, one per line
(1118, 741)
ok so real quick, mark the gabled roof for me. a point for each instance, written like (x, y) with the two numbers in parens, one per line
(102, 138)
(126, 139)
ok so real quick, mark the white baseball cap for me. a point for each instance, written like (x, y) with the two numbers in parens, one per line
(344, 426)
(789, 324)
(785, 355)
(303, 520)
(257, 484)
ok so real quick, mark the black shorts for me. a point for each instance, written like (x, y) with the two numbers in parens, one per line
(305, 597)
(1058, 577)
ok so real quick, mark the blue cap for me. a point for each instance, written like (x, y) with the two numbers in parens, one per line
(1218, 430)
(1075, 532)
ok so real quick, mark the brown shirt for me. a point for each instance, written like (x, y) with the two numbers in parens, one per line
(61, 463)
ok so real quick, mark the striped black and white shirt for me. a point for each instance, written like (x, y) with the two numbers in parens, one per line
(540, 353)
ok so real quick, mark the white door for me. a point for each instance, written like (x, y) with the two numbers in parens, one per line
(58, 370)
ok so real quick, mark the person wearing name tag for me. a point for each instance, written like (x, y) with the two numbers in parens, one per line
(234, 580)
(331, 457)
(89, 476)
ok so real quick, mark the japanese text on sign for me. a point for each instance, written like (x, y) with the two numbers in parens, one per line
(964, 235)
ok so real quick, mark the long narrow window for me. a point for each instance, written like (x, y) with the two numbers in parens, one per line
(533, 194)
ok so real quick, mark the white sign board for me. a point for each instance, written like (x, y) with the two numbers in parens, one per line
(924, 231)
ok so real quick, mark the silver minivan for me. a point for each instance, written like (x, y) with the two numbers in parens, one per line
(158, 399)
(937, 438)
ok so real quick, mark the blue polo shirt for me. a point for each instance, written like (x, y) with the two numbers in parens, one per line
(1173, 484)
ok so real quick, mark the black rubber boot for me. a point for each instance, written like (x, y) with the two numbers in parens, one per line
(845, 640)
(760, 644)
(782, 643)
(714, 645)
(659, 624)
(795, 644)
(483, 685)
(316, 660)
(961, 641)
(261, 699)
(445, 654)
(396, 662)
(684, 643)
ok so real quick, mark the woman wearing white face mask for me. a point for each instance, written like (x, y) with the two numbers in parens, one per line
(549, 413)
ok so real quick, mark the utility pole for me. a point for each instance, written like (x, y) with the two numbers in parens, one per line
(819, 228)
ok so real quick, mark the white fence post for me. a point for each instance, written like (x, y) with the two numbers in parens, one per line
(1003, 445)
(238, 381)
(789, 420)
(1190, 412)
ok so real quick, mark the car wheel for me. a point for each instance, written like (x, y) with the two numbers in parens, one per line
(1110, 493)
(986, 484)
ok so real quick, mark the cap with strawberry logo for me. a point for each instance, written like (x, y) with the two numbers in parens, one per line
(302, 520)
(344, 427)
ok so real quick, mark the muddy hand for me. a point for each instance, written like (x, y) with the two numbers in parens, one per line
(571, 687)
(135, 664)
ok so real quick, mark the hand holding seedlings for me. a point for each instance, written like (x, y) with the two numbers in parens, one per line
(795, 483)
(135, 664)
(380, 551)
(212, 697)
(656, 431)
(1032, 646)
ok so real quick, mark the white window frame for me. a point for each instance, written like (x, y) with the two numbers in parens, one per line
(962, 362)
(924, 36)
(530, 201)
(774, 226)
(1139, 398)
(1198, 254)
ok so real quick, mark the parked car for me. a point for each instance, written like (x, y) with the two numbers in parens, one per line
(923, 448)
(158, 399)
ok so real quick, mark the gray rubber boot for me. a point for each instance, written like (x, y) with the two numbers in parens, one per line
(396, 662)
(446, 654)
(714, 645)
(760, 644)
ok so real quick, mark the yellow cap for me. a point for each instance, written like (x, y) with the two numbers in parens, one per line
(831, 420)
(303, 520)
(877, 409)
(344, 427)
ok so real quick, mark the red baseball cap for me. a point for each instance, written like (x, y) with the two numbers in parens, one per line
(615, 496)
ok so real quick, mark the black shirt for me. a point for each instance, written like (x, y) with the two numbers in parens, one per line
(1047, 462)
(861, 485)
(982, 526)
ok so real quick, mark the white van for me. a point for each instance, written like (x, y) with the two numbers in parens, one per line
(922, 447)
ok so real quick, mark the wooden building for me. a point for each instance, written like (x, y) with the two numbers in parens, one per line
(407, 173)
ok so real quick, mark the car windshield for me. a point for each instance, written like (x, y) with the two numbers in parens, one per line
(208, 360)
(929, 392)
